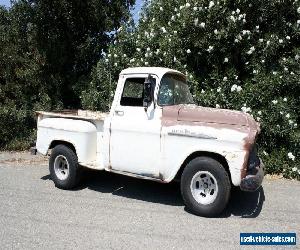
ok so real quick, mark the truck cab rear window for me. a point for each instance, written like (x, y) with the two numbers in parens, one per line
(133, 92)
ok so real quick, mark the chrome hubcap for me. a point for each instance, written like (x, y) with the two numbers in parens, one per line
(204, 187)
(61, 167)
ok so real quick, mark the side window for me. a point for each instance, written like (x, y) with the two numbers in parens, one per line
(133, 92)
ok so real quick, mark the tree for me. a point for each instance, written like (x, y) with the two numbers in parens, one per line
(47, 50)
(241, 55)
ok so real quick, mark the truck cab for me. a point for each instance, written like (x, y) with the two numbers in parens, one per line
(155, 131)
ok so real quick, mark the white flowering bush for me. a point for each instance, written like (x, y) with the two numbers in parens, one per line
(242, 55)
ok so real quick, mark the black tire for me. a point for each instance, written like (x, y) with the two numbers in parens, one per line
(71, 179)
(214, 168)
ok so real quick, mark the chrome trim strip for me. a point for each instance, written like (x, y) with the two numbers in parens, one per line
(201, 136)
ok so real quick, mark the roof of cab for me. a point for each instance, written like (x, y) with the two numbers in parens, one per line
(159, 71)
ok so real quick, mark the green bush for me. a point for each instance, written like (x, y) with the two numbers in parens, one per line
(242, 55)
(14, 127)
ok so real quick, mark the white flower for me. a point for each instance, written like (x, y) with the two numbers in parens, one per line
(138, 49)
(106, 60)
(115, 64)
(163, 29)
(285, 99)
(274, 101)
(217, 106)
(225, 60)
(263, 61)
(297, 57)
(298, 10)
(146, 63)
(233, 87)
(161, 8)
(225, 78)
(195, 8)
(202, 25)
(268, 42)
(288, 37)
(109, 55)
(294, 169)
(210, 48)
(292, 73)
(259, 112)
(174, 59)
(298, 21)
(196, 20)
(258, 118)
(232, 18)
(291, 122)
(287, 115)
(237, 11)
(218, 89)
(274, 72)
(291, 156)
(148, 49)
(216, 32)
(175, 9)
(181, 7)
(173, 18)
(124, 55)
(188, 51)
(250, 51)
(265, 153)
(132, 60)
(280, 41)
(254, 71)
(202, 91)
(239, 88)
(175, 31)
(286, 69)
(295, 125)
(211, 4)
(187, 5)
(261, 40)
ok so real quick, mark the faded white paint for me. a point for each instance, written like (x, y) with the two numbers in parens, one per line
(132, 141)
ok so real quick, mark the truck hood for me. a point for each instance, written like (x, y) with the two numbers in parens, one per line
(219, 118)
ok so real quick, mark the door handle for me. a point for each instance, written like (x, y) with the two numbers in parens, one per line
(119, 112)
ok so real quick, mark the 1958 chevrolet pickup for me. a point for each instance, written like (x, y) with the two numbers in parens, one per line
(154, 131)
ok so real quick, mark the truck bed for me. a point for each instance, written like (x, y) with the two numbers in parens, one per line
(74, 114)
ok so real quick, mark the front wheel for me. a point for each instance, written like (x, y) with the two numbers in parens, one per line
(205, 186)
(64, 168)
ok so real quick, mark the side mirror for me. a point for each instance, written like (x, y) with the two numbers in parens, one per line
(149, 86)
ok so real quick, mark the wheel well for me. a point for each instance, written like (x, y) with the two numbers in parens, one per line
(221, 159)
(59, 142)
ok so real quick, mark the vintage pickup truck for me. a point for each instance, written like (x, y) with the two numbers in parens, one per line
(154, 131)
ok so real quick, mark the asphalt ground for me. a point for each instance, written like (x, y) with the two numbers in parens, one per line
(110, 211)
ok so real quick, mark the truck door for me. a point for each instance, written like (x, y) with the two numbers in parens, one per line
(135, 133)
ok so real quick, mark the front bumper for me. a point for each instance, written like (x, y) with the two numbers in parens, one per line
(253, 179)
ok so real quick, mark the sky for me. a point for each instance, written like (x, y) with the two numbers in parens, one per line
(5, 2)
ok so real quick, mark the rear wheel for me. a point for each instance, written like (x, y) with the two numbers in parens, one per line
(205, 186)
(64, 168)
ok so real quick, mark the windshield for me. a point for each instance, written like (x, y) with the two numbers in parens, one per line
(174, 90)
